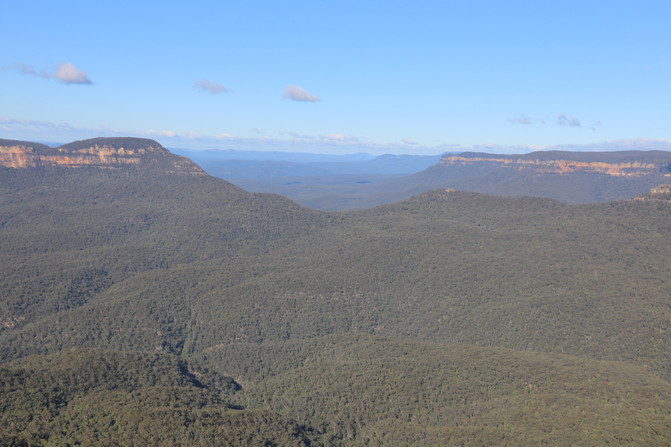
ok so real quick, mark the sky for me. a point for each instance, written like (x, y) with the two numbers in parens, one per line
(339, 76)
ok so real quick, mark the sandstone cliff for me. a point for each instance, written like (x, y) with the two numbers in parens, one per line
(624, 164)
(661, 193)
(108, 153)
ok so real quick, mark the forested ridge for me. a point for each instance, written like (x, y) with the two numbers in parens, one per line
(135, 295)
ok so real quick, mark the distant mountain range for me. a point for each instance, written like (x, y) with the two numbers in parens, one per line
(571, 177)
(265, 165)
(213, 155)
(358, 181)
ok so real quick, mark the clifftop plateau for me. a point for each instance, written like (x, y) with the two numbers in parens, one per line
(109, 153)
(617, 164)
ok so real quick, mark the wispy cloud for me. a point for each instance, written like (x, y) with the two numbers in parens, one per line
(64, 72)
(569, 121)
(331, 139)
(48, 130)
(304, 138)
(11, 124)
(562, 120)
(296, 93)
(210, 86)
(336, 137)
(25, 69)
(638, 144)
(162, 133)
(521, 119)
(34, 130)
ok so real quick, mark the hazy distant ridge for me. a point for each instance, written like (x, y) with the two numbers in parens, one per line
(571, 177)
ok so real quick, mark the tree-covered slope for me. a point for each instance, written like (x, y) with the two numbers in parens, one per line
(323, 317)
(69, 234)
(93, 397)
(191, 267)
(367, 390)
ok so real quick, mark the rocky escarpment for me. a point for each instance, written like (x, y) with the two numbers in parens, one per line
(617, 164)
(661, 193)
(21, 154)
(108, 153)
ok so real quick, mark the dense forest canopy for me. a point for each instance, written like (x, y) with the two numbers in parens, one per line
(143, 306)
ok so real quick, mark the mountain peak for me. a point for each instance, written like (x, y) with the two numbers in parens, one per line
(108, 153)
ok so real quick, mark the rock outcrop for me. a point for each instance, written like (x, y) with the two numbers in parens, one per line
(108, 153)
(565, 163)
(661, 193)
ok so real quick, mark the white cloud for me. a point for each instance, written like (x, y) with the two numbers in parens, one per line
(210, 86)
(69, 74)
(65, 72)
(296, 93)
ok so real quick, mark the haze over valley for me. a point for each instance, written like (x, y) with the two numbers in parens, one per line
(333, 184)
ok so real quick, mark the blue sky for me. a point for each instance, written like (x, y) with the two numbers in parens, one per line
(339, 77)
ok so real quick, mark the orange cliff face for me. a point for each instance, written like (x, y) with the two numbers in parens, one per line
(94, 156)
(626, 169)
(18, 156)
(109, 156)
